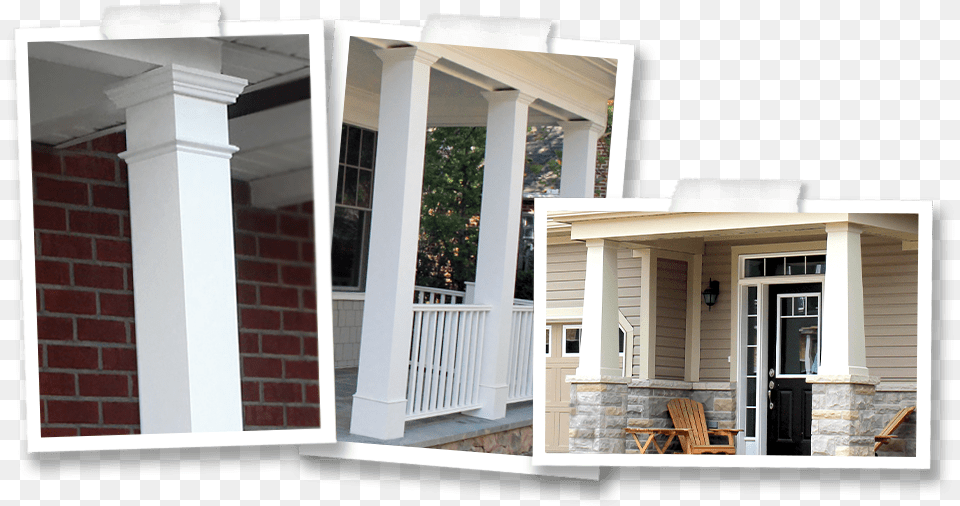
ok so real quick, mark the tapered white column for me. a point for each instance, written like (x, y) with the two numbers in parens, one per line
(844, 345)
(579, 158)
(599, 341)
(379, 406)
(181, 220)
(499, 233)
(645, 335)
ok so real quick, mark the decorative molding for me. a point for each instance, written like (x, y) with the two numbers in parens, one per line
(224, 151)
(179, 80)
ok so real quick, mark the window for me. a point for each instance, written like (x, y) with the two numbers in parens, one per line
(548, 341)
(784, 266)
(571, 340)
(354, 200)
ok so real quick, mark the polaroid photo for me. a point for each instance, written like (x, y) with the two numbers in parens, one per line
(432, 284)
(770, 339)
(173, 296)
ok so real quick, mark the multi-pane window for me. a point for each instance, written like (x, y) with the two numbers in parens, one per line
(784, 266)
(354, 200)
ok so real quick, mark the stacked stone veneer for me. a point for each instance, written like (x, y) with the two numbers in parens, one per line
(347, 324)
(889, 399)
(647, 406)
(598, 414)
(844, 419)
(518, 441)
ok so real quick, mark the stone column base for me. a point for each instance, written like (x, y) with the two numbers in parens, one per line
(598, 414)
(843, 414)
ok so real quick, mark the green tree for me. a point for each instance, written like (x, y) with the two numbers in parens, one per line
(450, 217)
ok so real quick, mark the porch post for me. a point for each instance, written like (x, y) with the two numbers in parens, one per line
(579, 158)
(497, 247)
(598, 391)
(646, 337)
(599, 350)
(181, 220)
(844, 345)
(843, 390)
(379, 405)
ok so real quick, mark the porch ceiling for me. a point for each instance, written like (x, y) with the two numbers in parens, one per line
(566, 87)
(644, 227)
(68, 105)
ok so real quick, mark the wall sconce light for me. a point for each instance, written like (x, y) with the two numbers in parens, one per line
(710, 294)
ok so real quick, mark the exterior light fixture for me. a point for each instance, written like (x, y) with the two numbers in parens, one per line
(710, 294)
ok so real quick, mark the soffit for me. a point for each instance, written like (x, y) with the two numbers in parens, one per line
(566, 87)
(68, 104)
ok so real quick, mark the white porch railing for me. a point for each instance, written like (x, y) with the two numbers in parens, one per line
(521, 355)
(426, 295)
(445, 357)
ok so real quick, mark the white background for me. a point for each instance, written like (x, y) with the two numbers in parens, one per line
(858, 100)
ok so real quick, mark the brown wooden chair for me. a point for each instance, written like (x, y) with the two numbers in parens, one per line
(688, 414)
(887, 433)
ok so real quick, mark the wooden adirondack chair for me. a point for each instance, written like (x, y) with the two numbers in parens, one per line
(688, 414)
(887, 433)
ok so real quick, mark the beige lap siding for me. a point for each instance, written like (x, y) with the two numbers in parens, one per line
(715, 322)
(671, 318)
(890, 308)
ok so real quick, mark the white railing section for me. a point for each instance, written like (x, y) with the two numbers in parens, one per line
(445, 358)
(521, 355)
(427, 295)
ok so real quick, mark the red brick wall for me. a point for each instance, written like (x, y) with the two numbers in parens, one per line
(86, 334)
(278, 320)
(85, 326)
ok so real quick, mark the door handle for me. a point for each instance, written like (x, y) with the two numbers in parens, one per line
(770, 393)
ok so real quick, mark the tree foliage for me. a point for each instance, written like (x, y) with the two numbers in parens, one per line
(450, 217)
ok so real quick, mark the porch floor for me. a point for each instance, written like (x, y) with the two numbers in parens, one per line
(426, 432)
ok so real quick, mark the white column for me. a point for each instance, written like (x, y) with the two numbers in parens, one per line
(844, 344)
(181, 220)
(579, 165)
(379, 405)
(646, 334)
(499, 232)
(599, 341)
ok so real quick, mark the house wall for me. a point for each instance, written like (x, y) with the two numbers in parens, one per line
(347, 324)
(671, 318)
(890, 309)
(86, 327)
(715, 323)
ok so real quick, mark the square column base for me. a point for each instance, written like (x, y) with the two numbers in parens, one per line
(378, 419)
(843, 415)
(599, 414)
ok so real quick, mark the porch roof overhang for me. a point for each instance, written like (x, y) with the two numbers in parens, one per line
(687, 230)
(566, 87)
(69, 106)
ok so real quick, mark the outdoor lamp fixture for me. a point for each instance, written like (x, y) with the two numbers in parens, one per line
(710, 294)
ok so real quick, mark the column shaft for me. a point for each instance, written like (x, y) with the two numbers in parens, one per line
(181, 216)
(379, 405)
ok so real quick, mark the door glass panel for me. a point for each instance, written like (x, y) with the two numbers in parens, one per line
(751, 422)
(816, 264)
(751, 392)
(798, 340)
(775, 266)
(622, 336)
(752, 300)
(548, 341)
(753, 267)
(751, 361)
(813, 305)
(796, 266)
(752, 330)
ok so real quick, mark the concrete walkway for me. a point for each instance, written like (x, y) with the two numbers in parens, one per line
(428, 432)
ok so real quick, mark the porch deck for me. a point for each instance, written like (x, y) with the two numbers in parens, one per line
(425, 432)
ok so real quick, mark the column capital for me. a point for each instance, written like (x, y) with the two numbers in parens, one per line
(581, 125)
(407, 53)
(176, 80)
(843, 226)
(598, 243)
(500, 96)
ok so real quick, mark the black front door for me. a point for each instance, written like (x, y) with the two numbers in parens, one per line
(793, 353)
